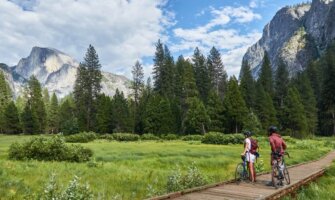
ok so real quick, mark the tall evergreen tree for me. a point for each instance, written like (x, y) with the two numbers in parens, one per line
(5, 99)
(158, 67)
(12, 122)
(46, 101)
(104, 119)
(53, 119)
(247, 85)
(295, 114)
(36, 104)
(327, 101)
(215, 111)
(265, 76)
(68, 122)
(87, 88)
(121, 113)
(30, 122)
(216, 72)
(137, 87)
(281, 85)
(264, 107)
(308, 100)
(235, 107)
(196, 119)
(201, 74)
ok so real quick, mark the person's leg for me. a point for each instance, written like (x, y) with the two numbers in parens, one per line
(251, 171)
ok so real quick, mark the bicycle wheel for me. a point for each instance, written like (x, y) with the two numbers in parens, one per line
(287, 176)
(274, 176)
(239, 172)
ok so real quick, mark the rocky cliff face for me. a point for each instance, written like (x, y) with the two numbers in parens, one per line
(296, 34)
(56, 71)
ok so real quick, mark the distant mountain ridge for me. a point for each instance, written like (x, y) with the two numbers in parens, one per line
(296, 35)
(56, 71)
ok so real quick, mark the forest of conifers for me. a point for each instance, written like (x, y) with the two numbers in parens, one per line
(185, 96)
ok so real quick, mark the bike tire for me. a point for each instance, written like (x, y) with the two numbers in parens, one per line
(287, 176)
(240, 173)
(274, 176)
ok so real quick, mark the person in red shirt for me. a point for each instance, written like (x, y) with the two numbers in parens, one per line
(277, 143)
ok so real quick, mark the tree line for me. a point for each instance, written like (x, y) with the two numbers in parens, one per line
(187, 96)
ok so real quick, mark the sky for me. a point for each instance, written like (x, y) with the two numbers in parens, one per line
(124, 31)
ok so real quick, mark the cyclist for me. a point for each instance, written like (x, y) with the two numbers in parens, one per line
(277, 144)
(250, 158)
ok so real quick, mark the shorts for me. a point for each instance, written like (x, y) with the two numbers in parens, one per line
(250, 157)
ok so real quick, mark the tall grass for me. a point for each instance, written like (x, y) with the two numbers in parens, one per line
(133, 170)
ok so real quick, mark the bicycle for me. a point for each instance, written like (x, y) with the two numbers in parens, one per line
(241, 172)
(279, 171)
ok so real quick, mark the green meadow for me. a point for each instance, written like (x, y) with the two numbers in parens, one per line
(137, 170)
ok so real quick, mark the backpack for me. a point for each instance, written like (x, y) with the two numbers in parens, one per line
(254, 146)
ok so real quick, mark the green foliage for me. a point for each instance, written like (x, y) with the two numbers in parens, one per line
(247, 85)
(124, 137)
(48, 149)
(252, 123)
(235, 107)
(220, 138)
(74, 190)
(122, 120)
(265, 76)
(196, 119)
(169, 136)
(82, 137)
(29, 120)
(149, 136)
(5, 98)
(217, 74)
(104, 118)
(178, 181)
(201, 74)
(259, 166)
(192, 137)
(11, 120)
(215, 112)
(68, 121)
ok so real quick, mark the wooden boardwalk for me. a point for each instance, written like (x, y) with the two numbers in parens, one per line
(300, 175)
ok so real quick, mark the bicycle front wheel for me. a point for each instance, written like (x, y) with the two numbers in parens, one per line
(240, 173)
(287, 176)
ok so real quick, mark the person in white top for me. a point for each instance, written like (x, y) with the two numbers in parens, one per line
(250, 158)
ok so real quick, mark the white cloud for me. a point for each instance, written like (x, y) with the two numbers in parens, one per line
(121, 31)
(230, 41)
(256, 3)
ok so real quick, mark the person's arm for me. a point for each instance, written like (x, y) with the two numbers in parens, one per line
(284, 145)
(245, 148)
(272, 144)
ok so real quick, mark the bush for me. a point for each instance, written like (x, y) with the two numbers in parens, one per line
(49, 149)
(220, 138)
(125, 137)
(178, 181)
(74, 190)
(82, 137)
(192, 137)
(149, 136)
(169, 137)
(106, 137)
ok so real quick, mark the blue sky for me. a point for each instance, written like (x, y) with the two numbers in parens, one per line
(125, 31)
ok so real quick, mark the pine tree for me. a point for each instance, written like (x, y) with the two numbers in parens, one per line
(264, 107)
(36, 104)
(308, 98)
(53, 119)
(120, 113)
(295, 122)
(196, 119)
(30, 123)
(5, 99)
(12, 122)
(137, 87)
(252, 123)
(281, 85)
(68, 122)
(216, 112)
(247, 86)
(235, 107)
(158, 67)
(87, 88)
(217, 74)
(46, 101)
(104, 119)
(201, 74)
(265, 76)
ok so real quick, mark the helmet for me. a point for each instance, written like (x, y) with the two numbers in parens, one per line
(247, 133)
(272, 129)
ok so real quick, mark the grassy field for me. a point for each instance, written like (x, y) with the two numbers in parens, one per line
(136, 170)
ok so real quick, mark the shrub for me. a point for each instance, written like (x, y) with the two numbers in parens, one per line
(106, 137)
(82, 137)
(75, 190)
(192, 137)
(169, 137)
(149, 136)
(49, 149)
(220, 138)
(125, 137)
(178, 181)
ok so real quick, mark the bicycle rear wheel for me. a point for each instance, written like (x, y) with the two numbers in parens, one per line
(287, 176)
(274, 176)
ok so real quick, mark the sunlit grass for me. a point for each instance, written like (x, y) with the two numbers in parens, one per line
(128, 168)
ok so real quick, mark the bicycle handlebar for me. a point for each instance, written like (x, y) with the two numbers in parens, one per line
(288, 155)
